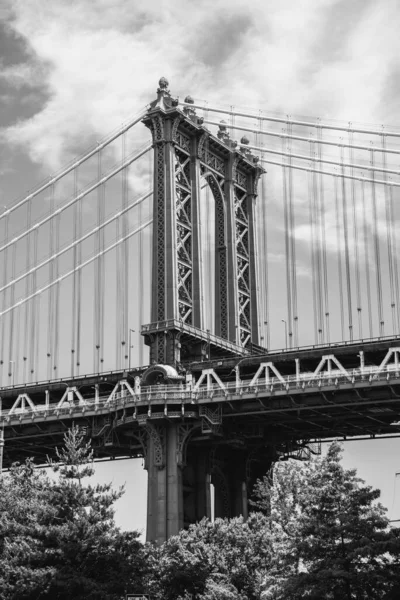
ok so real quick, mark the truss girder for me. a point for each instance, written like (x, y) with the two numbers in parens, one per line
(184, 231)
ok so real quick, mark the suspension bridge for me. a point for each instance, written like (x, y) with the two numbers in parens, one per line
(209, 288)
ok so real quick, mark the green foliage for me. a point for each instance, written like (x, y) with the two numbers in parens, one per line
(58, 537)
(224, 559)
(25, 514)
(318, 533)
(331, 539)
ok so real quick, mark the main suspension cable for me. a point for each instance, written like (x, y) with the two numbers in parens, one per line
(301, 138)
(332, 174)
(350, 165)
(69, 273)
(294, 122)
(77, 198)
(76, 243)
(73, 166)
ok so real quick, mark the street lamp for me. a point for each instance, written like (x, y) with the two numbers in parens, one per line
(12, 362)
(286, 344)
(130, 345)
(266, 333)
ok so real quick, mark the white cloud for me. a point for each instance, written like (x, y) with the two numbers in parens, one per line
(106, 57)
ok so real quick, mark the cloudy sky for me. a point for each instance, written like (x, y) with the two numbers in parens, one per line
(73, 69)
(70, 72)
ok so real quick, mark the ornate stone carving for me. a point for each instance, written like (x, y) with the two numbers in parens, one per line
(157, 129)
(256, 179)
(201, 147)
(157, 434)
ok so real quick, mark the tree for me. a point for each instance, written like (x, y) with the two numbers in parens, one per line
(58, 537)
(225, 559)
(94, 558)
(25, 514)
(330, 538)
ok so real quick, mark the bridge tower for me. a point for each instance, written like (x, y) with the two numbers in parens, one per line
(186, 155)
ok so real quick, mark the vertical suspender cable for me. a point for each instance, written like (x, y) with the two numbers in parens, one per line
(37, 339)
(293, 339)
(355, 235)
(79, 286)
(395, 263)
(323, 240)
(366, 258)
(377, 251)
(287, 248)
(34, 329)
(339, 255)
(125, 251)
(264, 265)
(346, 248)
(97, 274)
(118, 258)
(50, 324)
(389, 233)
(34, 315)
(313, 274)
(75, 275)
(317, 239)
(100, 352)
(28, 283)
(56, 300)
(3, 300)
(12, 301)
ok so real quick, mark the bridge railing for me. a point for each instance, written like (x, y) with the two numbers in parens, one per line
(213, 392)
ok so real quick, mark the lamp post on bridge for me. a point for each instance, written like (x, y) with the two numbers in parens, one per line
(130, 345)
(12, 362)
(286, 340)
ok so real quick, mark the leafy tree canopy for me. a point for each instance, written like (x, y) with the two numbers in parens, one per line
(331, 538)
(58, 539)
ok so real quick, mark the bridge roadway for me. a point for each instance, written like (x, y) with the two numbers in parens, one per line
(287, 398)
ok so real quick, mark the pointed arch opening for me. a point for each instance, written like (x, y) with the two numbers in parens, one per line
(214, 253)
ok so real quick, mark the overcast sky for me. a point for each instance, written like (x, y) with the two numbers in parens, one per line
(70, 69)
(71, 72)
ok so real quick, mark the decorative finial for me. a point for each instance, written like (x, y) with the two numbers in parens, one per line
(163, 84)
(189, 111)
(223, 134)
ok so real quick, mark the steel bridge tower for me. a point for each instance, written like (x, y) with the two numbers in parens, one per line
(186, 153)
